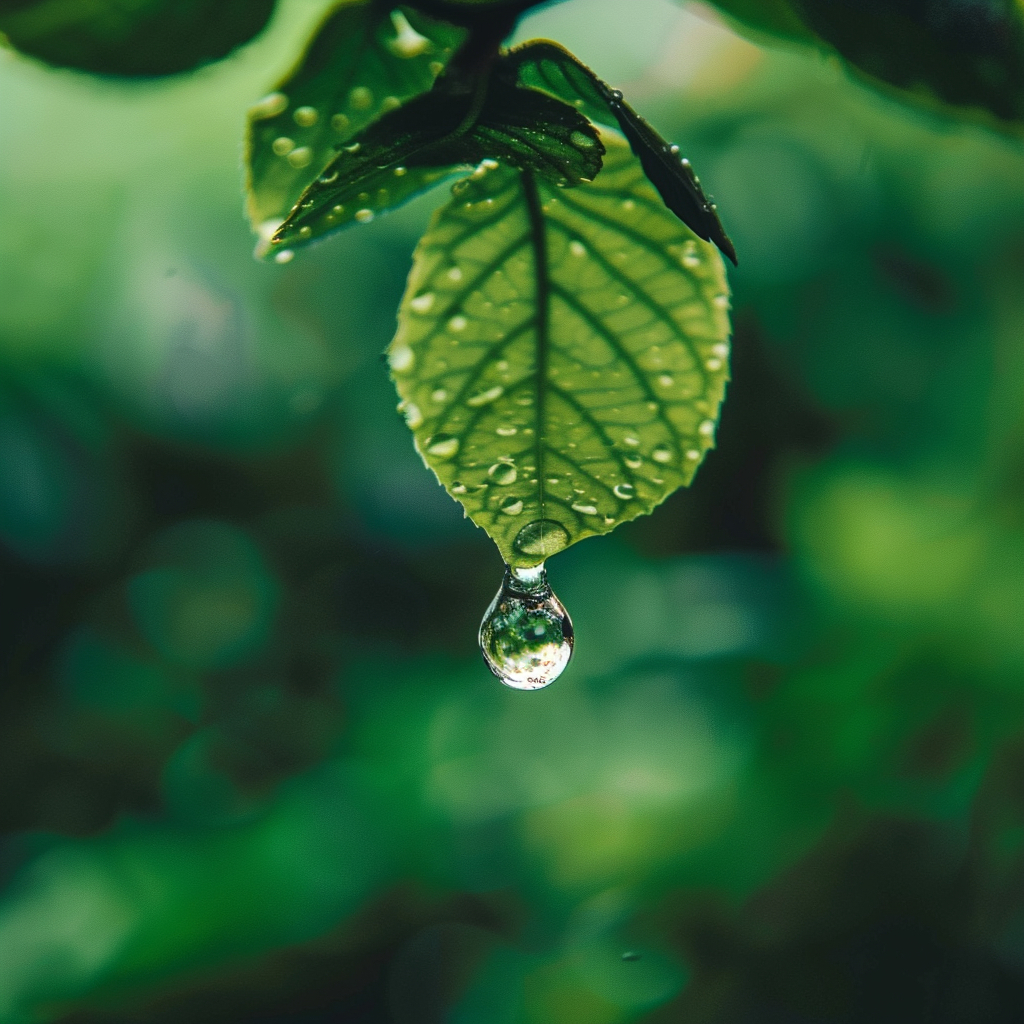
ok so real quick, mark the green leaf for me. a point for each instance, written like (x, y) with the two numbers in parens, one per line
(413, 147)
(126, 38)
(966, 54)
(364, 60)
(561, 353)
(544, 65)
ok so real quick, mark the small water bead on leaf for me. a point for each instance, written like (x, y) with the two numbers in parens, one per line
(360, 98)
(506, 431)
(412, 414)
(300, 157)
(282, 146)
(340, 122)
(270, 106)
(443, 445)
(511, 506)
(587, 510)
(484, 397)
(662, 453)
(305, 117)
(364, 216)
(624, 491)
(526, 635)
(401, 358)
(542, 538)
(503, 473)
(422, 303)
(457, 323)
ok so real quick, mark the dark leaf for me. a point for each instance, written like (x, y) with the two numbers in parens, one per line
(968, 54)
(413, 147)
(129, 39)
(551, 68)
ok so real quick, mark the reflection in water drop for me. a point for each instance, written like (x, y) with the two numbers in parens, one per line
(526, 635)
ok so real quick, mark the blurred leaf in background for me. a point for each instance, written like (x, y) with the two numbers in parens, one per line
(251, 767)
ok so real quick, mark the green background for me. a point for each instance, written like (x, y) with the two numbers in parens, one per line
(252, 767)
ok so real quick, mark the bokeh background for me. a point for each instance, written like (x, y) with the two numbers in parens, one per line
(252, 767)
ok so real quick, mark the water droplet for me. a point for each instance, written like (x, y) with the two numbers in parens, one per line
(339, 122)
(364, 216)
(457, 323)
(353, 148)
(270, 106)
(707, 428)
(693, 454)
(662, 454)
(713, 364)
(666, 381)
(328, 177)
(721, 350)
(401, 358)
(305, 231)
(300, 157)
(630, 440)
(577, 248)
(400, 172)
(337, 210)
(407, 42)
(506, 431)
(436, 67)
(633, 463)
(439, 395)
(491, 165)
(443, 445)
(412, 414)
(616, 95)
(526, 634)
(511, 506)
(628, 204)
(587, 510)
(486, 396)
(624, 491)
(455, 274)
(282, 146)
(581, 140)
(422, 303)
(458, 487)
(360, 98)
(284, 256)
(305, 117)
(503, 473)
(721, 301)
(390, 103)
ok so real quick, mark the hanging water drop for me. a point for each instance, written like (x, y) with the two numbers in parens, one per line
(526, 634)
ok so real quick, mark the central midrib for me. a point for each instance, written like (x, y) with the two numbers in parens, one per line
(538, 239)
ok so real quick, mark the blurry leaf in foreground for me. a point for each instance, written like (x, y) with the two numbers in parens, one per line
(561, 354)
(414, 147)
(363, 61)
(966, 54)
(125, 38)
(553, 69)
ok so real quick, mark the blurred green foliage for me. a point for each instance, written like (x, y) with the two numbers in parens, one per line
(251, 767)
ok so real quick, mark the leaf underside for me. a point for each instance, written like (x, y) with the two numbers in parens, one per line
(363, 61)
(561, 353)
(411, 148)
